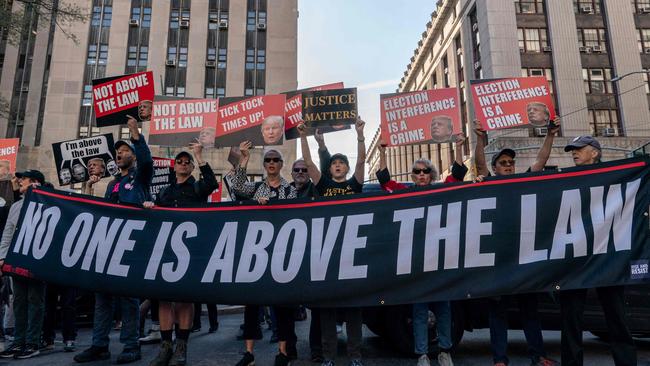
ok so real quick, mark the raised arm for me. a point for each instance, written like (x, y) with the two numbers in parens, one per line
(312, 169)
(479, 152)
(323, 154)
(547, 145)
(458, 169)
(142, 153)
(382, 155)
(244, 156)
(208, 181)
(359, 169)
(240, 183)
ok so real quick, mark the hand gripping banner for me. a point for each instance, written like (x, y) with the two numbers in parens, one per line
(574, 228)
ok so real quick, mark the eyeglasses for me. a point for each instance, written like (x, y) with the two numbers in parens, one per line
(300, 170)
(183, 162)
(275, 160)
(506, 163)
(420, 171)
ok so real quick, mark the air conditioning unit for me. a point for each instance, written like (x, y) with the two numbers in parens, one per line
(24, 89)
(541, 131)
(522, 50)
(134, 22)
(477, 65)
(586, 9)
(474, 27)
(644, 10)
(223, 24)
(170, 63)
(647, 50)
(261, 26)
(211, 64)
(609, 132)
(184, 24)
(546, 49)
(597, 49)
(585, 49)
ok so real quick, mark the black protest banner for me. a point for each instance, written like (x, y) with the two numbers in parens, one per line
(578, 228)
(116, 97)
(335, 108)
(73, 157)
(163, 171)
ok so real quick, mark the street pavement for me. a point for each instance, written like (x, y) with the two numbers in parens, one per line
(222, 348)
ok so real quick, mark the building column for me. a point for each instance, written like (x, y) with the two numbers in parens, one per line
(195, 82)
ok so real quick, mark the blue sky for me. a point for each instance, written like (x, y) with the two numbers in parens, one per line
(363, 43)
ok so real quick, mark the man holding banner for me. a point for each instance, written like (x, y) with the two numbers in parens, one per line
(131, 187)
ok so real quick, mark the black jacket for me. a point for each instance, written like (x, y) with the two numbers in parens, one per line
(189, 192)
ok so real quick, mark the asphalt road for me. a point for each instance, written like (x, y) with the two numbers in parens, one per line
(222, 348)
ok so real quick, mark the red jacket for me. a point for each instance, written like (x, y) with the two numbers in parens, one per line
(457, 175)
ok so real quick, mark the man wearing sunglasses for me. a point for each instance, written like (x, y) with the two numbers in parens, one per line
(183, 190)
(503, 163)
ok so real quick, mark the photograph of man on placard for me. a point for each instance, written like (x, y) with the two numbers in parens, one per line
(79, 172)
(442, 129)
(538, 114)
(65, 176)
(96, 167)
(206, 136)
(144, 110)
(272, 130)
(5, 169)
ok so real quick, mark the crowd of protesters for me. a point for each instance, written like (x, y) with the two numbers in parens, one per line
(34, 302)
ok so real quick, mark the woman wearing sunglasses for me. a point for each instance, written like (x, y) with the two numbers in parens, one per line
(273, 187)
(423, 174)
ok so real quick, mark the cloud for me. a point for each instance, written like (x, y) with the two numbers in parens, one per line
(378, 84)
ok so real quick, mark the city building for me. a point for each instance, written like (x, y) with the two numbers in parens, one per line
(580, 46)
(207, 48)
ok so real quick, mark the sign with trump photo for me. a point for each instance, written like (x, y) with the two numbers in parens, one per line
(513, 102)
(180, 122)
(77, 160)
(8, 153)
(427, 116)
(117, 97)
(258, 119)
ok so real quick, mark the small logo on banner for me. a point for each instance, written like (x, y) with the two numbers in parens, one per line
(639, 269)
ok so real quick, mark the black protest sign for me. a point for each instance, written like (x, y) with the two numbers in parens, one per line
(335, 108)
(163, 173)
(116, 97)
(77, 160)
(446, 242)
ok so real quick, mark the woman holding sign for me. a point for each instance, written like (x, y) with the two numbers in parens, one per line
(273, 187)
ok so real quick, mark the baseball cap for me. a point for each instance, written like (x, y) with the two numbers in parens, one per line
(120, 143)
(582, 141)
(185, 154)
(339, 156)
(510, 152)
(32, 174)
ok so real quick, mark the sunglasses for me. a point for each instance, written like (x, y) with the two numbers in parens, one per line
(300, 170)
(183, 162)
(275, 160)
(507, 163)
(419, 171)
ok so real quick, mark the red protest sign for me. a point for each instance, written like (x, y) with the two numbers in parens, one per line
(420, 117)
(8, 154)
(293, 112)
(512, 102)
(116, 97)
(179, 122)
(259, 120)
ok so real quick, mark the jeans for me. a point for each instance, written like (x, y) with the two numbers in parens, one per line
(529, 321)
(67, 300)
(315, 333)
(29, 306)
(285, 322)
(213, 315)
(129, 308)
(353, 323)
(442, 311)
(612, 301)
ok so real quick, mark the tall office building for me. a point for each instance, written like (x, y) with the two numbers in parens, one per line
(580, 46)
(195, 48)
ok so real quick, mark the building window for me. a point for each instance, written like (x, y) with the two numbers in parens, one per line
(532, 39)
(586, 6)
(255, 62)
(529, 6)
(548, 73)
(641, 6)
(593, 38)
(597, 81)
(643, 39)
(604, 122)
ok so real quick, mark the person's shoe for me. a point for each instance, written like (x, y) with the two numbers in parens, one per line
(69, 346)
(214, 328)
(165, 354)
(10, 351)
(195, 328)
(180, 354)
(93, 354)
(282, 360)
(247, 360)
(128, 356)
(543, 361)
(46, 345)
(153, 336)
(317, 357)
(339, 329)
(328, 363)
(28, 351)
(444, 359)
(274, 338)
(355, 362)
(424, 361)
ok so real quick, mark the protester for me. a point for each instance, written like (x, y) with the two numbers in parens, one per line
(272, 130)
(213, 317)
(132, 187)
(153, 335)
(503, 163)
(64, 297)
(184, 190)
(586, 150)
(424, 174)
(273, 187)
(336, 185)
(29, 294)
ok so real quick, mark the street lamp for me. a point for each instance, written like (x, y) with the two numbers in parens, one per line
(618, 78)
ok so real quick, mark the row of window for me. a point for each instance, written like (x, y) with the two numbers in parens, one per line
(536, 39)
(579, 6)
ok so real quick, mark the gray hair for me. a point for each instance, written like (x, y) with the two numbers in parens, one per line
(428, 164)
(270, 151)
(300, 160)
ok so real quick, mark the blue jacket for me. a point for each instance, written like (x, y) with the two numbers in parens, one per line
(134, 187)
